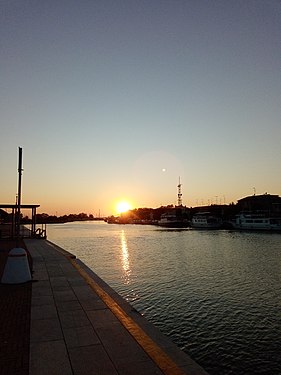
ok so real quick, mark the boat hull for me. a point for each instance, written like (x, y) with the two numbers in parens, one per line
(257, 223)
(177, 224)
(206, 226)
(205, 220)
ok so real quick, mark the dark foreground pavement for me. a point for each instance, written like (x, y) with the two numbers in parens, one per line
(15, 303)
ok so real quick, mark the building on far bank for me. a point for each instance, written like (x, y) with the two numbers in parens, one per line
(265, 202)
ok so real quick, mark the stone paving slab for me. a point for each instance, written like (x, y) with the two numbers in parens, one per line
(48, 358)
(80, 336)
(91, 360)
(79, 325)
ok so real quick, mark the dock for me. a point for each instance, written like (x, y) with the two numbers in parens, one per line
(73, 323)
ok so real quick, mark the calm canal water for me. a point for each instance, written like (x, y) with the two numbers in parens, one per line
(216, 294)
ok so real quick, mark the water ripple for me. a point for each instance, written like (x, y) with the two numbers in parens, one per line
(216, 294)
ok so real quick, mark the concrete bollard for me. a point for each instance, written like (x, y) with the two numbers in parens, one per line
(16, 270)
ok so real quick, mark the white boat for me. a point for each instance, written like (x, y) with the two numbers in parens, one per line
(206, 220)
(172, 220)
(251, 221)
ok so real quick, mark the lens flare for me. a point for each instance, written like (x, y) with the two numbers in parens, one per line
(123, 206)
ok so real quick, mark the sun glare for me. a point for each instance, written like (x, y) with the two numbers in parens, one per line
(123, 206)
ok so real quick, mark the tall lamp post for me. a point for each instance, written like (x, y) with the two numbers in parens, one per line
(19, 194)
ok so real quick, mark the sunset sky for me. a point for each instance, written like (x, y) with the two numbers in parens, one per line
(114, 100)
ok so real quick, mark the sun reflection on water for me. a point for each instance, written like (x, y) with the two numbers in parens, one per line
(125, 257)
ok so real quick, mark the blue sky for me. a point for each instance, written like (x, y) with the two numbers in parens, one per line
(105, 95)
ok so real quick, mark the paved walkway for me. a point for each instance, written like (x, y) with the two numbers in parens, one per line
(15, 303)
(79, 325)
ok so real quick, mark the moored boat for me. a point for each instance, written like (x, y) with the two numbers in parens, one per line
(206, 220)
(172, 220)
(256, 221)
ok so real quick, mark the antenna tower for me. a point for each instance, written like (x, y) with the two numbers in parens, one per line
(179, 193)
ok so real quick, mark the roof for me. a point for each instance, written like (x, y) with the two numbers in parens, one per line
(263, 197)
(21, 206)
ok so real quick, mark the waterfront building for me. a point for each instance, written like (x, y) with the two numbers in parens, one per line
(265, 202)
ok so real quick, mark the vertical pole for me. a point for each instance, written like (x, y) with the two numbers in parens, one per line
(33, 229)
(19, 194)
(13, 223)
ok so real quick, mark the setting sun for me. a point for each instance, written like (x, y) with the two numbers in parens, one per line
(123, 206)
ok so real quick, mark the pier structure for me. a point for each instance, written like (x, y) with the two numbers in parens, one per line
(14, 229)
(79, 325)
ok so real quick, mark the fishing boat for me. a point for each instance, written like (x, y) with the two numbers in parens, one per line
(256, 221)
(206, 220)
